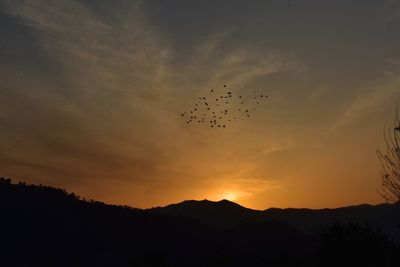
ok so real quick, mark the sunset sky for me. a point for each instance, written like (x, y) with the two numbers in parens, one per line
(92, 91)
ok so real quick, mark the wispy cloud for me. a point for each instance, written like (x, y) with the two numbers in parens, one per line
(367, 102)
(119, 86)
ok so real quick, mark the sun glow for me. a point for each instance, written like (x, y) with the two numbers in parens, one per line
(231, 196)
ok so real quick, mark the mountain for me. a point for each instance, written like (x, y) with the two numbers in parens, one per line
(222, 214)
(225, 214)
(45, 226)
(383, 216)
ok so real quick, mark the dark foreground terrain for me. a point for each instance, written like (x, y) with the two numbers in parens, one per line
(44, 226)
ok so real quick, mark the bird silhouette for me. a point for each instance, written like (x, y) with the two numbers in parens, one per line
(207, 106)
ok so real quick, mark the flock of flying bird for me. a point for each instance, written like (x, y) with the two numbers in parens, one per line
(219, 110)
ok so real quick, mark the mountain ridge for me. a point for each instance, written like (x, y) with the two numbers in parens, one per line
(70, 229)
(45, 226)
(311, 221)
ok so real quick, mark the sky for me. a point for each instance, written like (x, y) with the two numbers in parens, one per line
(92, 91)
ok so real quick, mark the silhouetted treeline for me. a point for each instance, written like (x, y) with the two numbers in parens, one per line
(44, 226)
(352, 244)
(314, 222)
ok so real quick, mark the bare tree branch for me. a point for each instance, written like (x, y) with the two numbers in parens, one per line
(390, 164)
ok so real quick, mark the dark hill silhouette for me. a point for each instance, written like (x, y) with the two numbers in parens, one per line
(225, 214)
(384, 216)
(44, 226)
(222, 214)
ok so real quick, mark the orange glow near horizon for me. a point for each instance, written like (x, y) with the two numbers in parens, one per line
(231, 196)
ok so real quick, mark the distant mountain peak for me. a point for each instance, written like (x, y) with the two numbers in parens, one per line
(223, 213)
(205, 203)
(227, 201)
